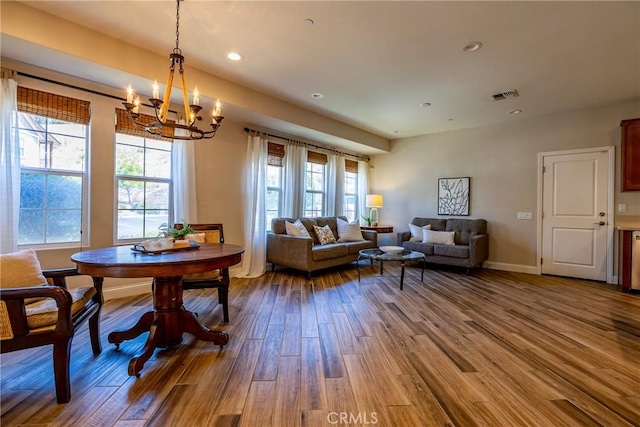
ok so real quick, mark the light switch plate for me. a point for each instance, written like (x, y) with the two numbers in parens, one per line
(525, 215)
(622, 207)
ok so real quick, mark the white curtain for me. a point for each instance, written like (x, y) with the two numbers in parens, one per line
(183, 166)
(255, 229)
(363, 189)
(295, 173)
(335, 188)
(9, 164)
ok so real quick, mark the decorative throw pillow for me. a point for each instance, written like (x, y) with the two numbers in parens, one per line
(325, 235)
(349, 232)
(296, 229)
(22, 268)
(416, 232)
(438, 237)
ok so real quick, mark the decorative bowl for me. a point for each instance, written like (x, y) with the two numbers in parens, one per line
(391, 249)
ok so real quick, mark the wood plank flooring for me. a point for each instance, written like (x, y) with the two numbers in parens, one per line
(487, 349)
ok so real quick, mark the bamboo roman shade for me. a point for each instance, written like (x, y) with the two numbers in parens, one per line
(126, 126)
(32, 101)
(315, 157)
(275, 154)
(350, 166)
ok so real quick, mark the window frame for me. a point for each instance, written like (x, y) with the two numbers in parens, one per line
(307, 191)
(139, 178)
(48, 171)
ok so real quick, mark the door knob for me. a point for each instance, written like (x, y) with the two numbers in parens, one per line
(600, 223)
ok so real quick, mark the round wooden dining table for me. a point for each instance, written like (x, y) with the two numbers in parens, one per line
(169, 319)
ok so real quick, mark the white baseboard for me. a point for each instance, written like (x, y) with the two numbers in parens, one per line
(516, 268)
(129, 290)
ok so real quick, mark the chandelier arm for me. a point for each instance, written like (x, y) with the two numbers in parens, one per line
(185, 99)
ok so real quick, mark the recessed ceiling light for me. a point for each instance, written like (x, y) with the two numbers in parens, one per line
(425, 104)
(317, 95)
(515, 111)
(397, 132)
(450, 120)
(472, 47)
(234, 56)
(308, 22)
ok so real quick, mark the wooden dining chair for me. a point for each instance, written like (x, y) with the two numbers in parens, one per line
(219, 279)
(37, 308)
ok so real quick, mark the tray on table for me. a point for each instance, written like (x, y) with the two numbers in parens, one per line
(139, 248)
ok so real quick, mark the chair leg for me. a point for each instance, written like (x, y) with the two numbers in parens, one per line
(223, 299)
(61, 360)
(94, 332)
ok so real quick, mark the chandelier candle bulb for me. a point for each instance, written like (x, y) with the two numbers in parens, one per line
(196, 98)
(129, 94)
(137, 105)
(156, 90)
(218, 110)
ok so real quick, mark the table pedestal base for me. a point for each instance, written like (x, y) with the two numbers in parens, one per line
(165, 324)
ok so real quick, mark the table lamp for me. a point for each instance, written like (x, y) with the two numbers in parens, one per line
(374, 201)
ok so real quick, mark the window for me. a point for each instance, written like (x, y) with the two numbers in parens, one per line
(53, 138)
(315, 185)
(273, 200)
(143, 185)
(351, 190)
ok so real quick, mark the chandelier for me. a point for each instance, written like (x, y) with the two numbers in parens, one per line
(161, 106)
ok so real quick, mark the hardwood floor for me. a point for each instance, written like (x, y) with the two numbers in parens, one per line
(487, 349)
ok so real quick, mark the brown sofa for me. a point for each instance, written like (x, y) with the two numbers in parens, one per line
(471, 247)
(305, 254)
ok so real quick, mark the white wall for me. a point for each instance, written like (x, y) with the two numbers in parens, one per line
(502, 163)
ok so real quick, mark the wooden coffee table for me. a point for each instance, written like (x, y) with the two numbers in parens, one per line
(381, 257)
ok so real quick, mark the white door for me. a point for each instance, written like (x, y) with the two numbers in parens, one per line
(575, 214)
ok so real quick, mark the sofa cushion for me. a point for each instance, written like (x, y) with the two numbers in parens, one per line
(324, 234)
(438, 237)
(331, 221)
(425, 248)
(329, 251)
(416, 232)
(296, 229)
(466, 228)
(457, 251)
(437, 224)
(349, 232)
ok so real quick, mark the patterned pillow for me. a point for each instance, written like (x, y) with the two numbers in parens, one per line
(325, 235)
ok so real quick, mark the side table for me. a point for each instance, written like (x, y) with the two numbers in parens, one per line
(378, 228)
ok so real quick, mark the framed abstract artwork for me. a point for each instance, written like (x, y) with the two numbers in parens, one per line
(453, 196)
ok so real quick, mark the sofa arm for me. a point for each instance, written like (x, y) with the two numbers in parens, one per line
(371, 236)
(478, 249)
(402, 236)
(290, 251)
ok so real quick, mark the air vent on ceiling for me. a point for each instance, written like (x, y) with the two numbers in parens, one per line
(504, 95)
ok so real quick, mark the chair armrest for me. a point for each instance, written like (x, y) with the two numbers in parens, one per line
(14, 298)
(478, 249)
(402, 236)
(371, 235)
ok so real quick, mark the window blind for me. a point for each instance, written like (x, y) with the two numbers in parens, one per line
(125, 125)
(53, 106)
(315, 157)
(275, 154)
(350, 166)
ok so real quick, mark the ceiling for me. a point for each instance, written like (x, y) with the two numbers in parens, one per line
(377, 62)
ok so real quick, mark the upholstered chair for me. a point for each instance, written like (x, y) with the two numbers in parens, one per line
(37, 308)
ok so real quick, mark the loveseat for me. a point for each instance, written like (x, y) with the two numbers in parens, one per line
(452, 241)
(306, 253)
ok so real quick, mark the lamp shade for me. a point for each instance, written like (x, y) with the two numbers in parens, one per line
(374, 201)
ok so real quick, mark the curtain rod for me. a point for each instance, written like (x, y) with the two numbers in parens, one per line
(84, 89)
(249, 130)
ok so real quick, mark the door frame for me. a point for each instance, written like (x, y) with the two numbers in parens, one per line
(610, 204)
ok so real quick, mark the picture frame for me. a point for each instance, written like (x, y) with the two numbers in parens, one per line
(454, 196)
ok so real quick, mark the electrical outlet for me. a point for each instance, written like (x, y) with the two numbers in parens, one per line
(525, 215)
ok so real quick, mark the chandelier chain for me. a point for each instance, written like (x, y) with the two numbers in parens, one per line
(177, 49)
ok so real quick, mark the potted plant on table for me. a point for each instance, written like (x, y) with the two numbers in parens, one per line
(179, 235)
